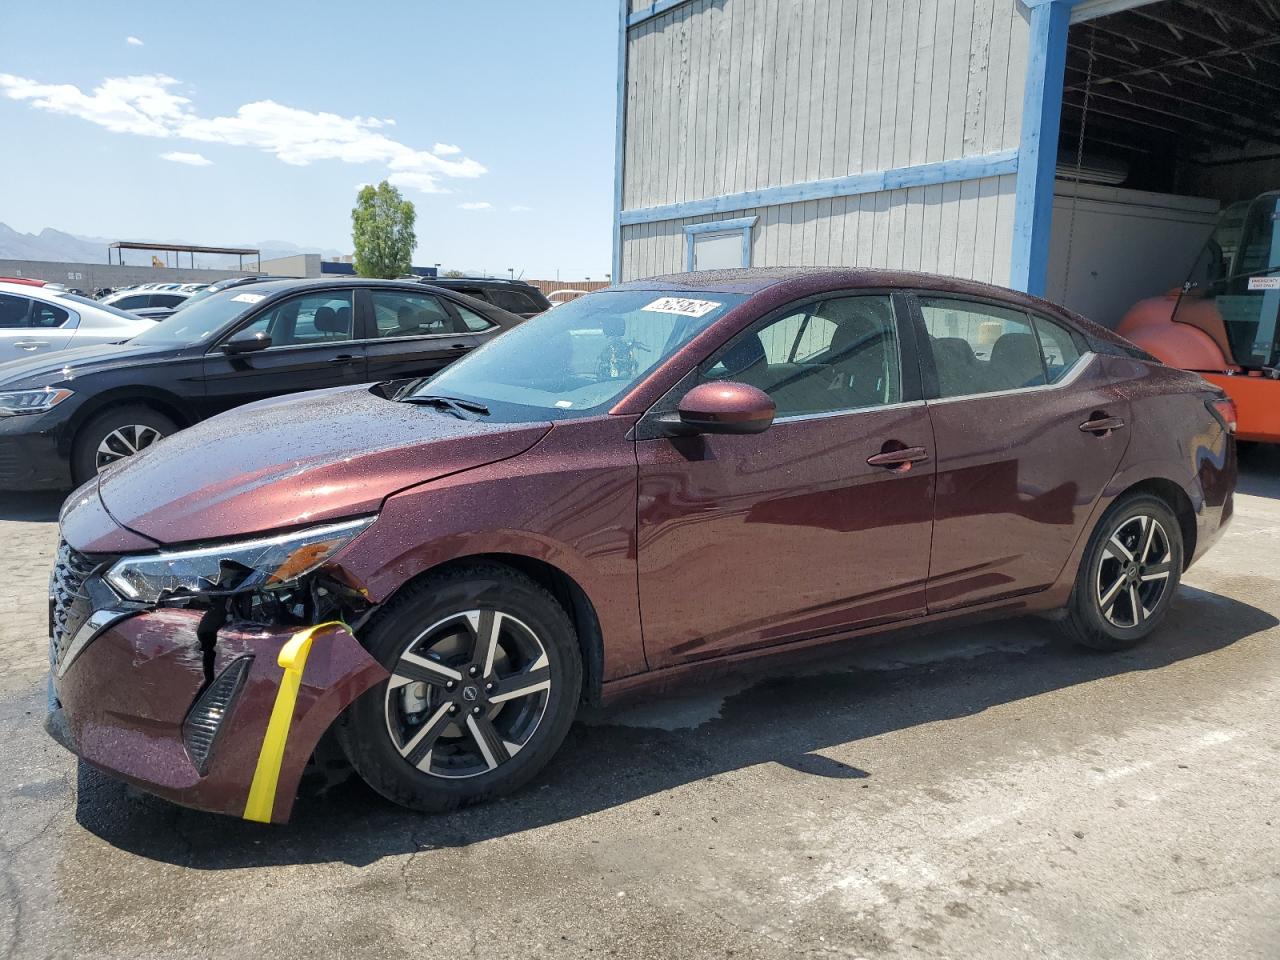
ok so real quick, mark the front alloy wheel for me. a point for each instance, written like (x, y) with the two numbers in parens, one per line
(485, 676)
(125, 441)
(467, 694)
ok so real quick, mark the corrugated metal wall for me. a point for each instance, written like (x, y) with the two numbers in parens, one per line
(732, 95)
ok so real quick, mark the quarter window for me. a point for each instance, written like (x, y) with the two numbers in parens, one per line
(13, 311)
(472, 320)
(313, 318)
(410, 315)
(1058, 346)
(979, 348)
(828, 356)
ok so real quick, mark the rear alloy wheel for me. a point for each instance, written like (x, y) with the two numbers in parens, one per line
(485, 679)
(1134, 572)
(1128, 576)
(115, 435)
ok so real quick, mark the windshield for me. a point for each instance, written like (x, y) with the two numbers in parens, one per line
(97, 304)
(1234, 288)
(579, 358)
(200, 321)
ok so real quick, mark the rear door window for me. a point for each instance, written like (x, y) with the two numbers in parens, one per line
(981, 348)
(399, 314)
(47, 316)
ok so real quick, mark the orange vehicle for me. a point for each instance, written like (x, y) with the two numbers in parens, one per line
(1222, 322)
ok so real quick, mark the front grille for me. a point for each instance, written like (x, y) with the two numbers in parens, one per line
(69, 605)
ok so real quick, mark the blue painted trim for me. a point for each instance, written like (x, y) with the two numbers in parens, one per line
(618, 138)
(920, 175)
(1038, 149)
(744, 224)
(721, 226)
(655, 9)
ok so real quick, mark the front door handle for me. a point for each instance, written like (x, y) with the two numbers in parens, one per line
(30, 344)
(900, 459)
(1102, 425)
(342, 358)
(459, 346)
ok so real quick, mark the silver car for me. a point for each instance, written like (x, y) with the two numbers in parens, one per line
(36, 318)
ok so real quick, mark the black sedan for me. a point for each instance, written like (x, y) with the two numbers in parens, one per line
(63, 418)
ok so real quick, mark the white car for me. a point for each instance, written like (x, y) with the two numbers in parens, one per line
(37, 318)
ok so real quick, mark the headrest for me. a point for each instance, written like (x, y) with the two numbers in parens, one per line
(327, 320)
(743, 355)
(1016, 351)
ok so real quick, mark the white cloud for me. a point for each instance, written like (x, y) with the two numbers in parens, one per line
(143, 105)
(476, 205)
(133, 41)
(418, 181)
(148, 106)
(520, 208)
(191, 159)
(445, 149)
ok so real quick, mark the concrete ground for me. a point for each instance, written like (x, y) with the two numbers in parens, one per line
(979, 793)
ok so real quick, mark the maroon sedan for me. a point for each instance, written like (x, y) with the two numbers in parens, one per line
(645, 483)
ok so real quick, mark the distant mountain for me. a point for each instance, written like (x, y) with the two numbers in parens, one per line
(50, 244)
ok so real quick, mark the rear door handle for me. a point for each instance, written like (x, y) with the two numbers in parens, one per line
(459, 346)
(30, 344)
(895, 459)
(342, 358)
(1102, 425)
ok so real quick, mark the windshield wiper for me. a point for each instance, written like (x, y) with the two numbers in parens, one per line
(459, 408)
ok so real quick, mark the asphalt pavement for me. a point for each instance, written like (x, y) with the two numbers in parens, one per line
(985, 792)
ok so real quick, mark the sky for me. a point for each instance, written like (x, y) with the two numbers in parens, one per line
(229, 123)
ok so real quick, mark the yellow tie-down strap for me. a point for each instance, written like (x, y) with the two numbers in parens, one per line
(293, 657)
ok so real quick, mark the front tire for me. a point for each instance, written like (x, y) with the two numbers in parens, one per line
(1128, 575)
(486, 675)
(115, 434)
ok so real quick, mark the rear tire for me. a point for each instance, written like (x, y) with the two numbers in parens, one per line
(486, 678)
(109, 436)
(1128, 575)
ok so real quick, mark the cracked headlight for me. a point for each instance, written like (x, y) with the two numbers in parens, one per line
(233, 567)
(14, 403)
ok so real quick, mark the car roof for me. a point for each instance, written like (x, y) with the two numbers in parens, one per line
(477, 281)
(799, 282)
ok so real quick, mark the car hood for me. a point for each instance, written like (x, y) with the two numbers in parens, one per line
(317, 456)
(65, 366)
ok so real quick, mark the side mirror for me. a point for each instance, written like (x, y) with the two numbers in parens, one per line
(245, 342)
(724, 407)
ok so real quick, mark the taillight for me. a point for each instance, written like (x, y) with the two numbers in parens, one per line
(1224, 409)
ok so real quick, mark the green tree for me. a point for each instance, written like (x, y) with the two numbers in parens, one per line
(382, 232)
(454, 274)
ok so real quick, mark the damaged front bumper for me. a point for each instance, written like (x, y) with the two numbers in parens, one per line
(226, 726)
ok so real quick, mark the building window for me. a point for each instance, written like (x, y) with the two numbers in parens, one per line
(719, 245)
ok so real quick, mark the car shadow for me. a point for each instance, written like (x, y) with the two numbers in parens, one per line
(35, 507)
(1260, 470)
(616, 756)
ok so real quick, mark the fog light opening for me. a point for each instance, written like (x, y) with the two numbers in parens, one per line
(204, 721)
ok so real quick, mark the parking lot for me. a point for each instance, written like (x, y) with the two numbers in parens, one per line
(978, 792)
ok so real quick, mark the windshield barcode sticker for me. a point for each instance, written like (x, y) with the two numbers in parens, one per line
(248, 297)
(1264, 283)
(682, 306)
